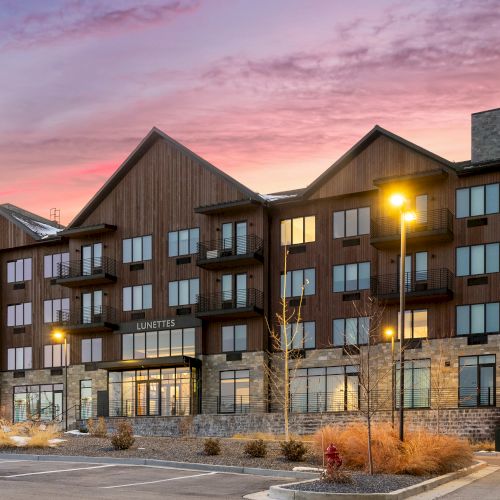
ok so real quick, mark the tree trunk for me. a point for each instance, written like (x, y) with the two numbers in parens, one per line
(370, 458)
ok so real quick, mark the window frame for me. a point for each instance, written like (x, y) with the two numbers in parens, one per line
(237, 407)
(233, 337)
(303, 335)
(484, 200)
(47, 347)
(290, 282)
(23, 306)
(132, 295)
(304, 232)
(412, 315)
(27, 354)
(56, 259)
(470, 319)
(344, 266)
(190, 251)
(344, 222)
(358, 331)
(23, 271)
(97, 340)
(133, 260)
(61, 300)
(485, 259)
(177, 283)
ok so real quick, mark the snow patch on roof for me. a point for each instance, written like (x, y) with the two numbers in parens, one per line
(40, 228)
(277, 197)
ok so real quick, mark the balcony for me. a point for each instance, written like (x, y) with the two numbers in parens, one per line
(89, 320)
(87, 272)
(245, 303)
(432, 226)
(223, 253)
(434, 284)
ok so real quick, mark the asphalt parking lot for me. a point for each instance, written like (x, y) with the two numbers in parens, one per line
(21, 479)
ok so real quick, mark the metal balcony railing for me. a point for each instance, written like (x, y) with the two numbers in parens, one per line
(229, 301)
(86, 267)
(87, 316)
(432, 222)
(241, 246)
(421, 283)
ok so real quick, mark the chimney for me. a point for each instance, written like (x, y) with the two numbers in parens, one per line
(485, 136)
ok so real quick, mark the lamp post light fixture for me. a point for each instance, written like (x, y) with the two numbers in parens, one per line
(398, 200)
(390, 333)
(62, 336)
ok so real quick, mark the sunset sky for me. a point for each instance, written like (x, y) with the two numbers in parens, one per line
(272, 92)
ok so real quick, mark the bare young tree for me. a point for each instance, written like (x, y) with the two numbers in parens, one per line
(282, 340)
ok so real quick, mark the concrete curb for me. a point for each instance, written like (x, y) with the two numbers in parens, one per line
(279, 492)
(161, 463)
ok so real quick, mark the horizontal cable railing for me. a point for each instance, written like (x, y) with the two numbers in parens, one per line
(87, 315)
(420, 281)
(244, 298)
(229, 247)
(86, 267)
(440, 219)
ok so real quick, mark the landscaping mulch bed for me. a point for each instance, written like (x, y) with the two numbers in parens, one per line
(168, 448)
(362, 483)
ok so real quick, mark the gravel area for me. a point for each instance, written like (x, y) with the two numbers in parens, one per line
(362, 483)
(168, 448)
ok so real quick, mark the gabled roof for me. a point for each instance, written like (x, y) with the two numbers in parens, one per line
(135, 156)
(35, 226)
(363, 143)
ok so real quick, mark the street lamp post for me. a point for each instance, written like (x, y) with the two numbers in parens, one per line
(390, 333)
(399, 201)
(60, 335)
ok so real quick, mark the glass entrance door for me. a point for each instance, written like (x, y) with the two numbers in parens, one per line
(154, 398)
(241, 290)
(92, 307)
(91, 259)
(142, 399)
(241, 238)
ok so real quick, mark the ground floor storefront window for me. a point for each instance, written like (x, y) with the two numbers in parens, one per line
(153, 392)
(234, 391)
(477, 380)
(417, 384)
(86, 399)
(40, 402)
(332, 388)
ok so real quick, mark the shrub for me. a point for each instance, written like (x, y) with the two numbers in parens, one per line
(293, 450)
(421, 453)
(483, 446)
(211, 446)
(256, 448)
(123, 438)
(41, 435)
(97, 430)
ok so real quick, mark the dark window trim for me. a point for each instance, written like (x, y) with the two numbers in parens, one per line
(358, 234)
(142, 248)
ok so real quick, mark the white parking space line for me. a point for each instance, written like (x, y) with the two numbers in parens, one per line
(159, 480)
(56, 471)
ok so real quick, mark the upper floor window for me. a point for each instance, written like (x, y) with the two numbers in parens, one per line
(352, 222)
(234, 338)
(19, 358)
(298, 230)
(56, 265)
(54, 309)
(478, 259)
(54, 355)
(158, 344)
(351, 331)
(478, 318)
(477, 200)
(299, 336)
(183, 292)
(19, 314)
(350, 277)
(415, 324)
(137, 298)
(137, 249)
(91, 350)
(297, 279)
(19, 270)
(183, 242)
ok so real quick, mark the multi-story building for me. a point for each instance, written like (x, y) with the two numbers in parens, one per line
(168, 281)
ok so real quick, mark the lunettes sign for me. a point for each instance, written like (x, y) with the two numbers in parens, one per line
(145, 325)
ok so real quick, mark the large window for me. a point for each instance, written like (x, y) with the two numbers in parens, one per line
(137, 249)
(478, 318)
(19, 314)
(183, 292)
(477, 200)
(353, 222)
(298, 230)
(477, 380)
(91, 350)
(55, 310)
(351, 277)
(85, 399)
(158, 344)
(234, 391)
(297, 279)
(333, 388)
(478, 259)
(56, 265)
(415, 324)
(18, 270)
(234, 338)
(184, 242)
(19, 358)
(299, 336)
(137, 298)
(38, 402)
(351, 331)
(54, 355)
(417, 391)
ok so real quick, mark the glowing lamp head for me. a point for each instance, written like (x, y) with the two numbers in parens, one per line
(410, 216)
(397, 200)
(389, 332)
(58, 335)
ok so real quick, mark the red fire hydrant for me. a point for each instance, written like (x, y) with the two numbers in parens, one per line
(333, 458)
